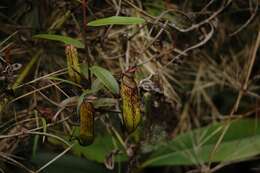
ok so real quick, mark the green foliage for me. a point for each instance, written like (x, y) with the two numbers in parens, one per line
(67, 164)
(64, 81)
(117, 20)
(104, 102)
(101, 147)
(64, 39)
(190, 79)
(174, 17)
(98, 150)
(36, 137)
(241, 141)
(106, 78)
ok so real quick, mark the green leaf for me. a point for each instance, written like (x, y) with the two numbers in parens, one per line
(36, 137)
(97, 151)
(178, 20)
(97, 85)
(104, 102)
(102, 146)
(80, 100)
(44, 125)
(175, 18)
(64, 39)
(84, 70)
(64, 80)
(106, 78)
(241, 141)
(117, 20)
(67, 163)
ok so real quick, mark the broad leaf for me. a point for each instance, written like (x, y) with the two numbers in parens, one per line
(117, 20)
(106, 78)
(102, 146)
(64, 39)
(67, 164)
(97, 151)
(241, 141)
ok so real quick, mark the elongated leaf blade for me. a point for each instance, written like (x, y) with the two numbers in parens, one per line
(241, 141)
(106, 78)
(64, 39)
(117, 20)
(44, 125)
